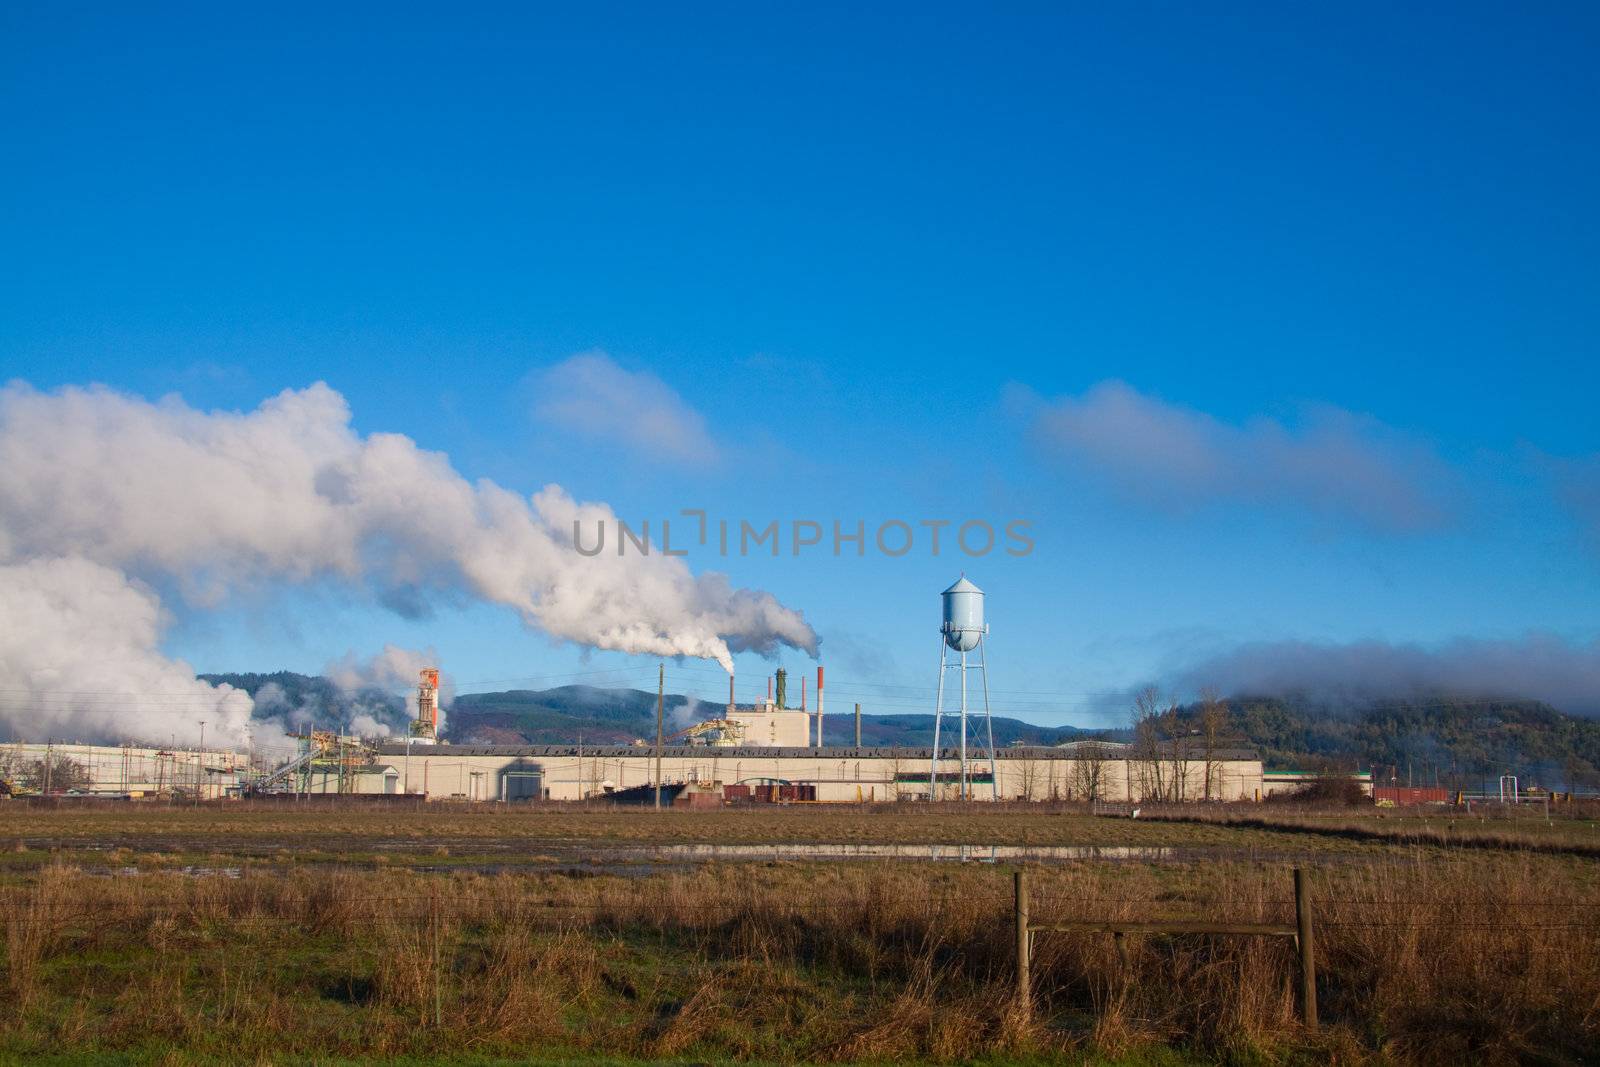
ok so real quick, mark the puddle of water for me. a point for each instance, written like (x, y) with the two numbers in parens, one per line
(949, 853)
(640, 860)
(190, 872)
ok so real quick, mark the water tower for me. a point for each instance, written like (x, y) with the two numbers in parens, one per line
(962, 632)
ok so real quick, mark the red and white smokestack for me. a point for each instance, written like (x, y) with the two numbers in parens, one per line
(819, 705)
(802, 692)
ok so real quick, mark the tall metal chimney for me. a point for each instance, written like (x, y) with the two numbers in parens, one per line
(783, 694)
(819, 705)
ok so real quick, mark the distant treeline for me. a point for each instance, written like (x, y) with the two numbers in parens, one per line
(1456, 741)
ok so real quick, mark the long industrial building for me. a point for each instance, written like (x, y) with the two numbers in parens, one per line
(512, 773)
(127, 769)
(1087, 770)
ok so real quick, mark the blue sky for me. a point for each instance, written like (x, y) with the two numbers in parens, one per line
(1277, 324)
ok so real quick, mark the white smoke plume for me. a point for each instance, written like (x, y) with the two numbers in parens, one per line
(690, 712)
(277, 719)
(80, 660)
(394, 670)
(102, 492)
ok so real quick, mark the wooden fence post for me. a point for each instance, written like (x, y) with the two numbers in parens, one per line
(1024, 963)
(1308, 961)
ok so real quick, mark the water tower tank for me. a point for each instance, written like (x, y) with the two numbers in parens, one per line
(963, 616)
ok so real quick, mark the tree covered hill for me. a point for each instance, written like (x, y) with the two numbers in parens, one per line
(1456, 741)
(563, 715)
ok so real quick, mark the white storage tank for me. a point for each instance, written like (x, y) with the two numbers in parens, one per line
(963, 616)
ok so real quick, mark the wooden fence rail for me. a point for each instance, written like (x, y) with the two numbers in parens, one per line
(1300, 932)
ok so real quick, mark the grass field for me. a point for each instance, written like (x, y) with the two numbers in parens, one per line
(442, 837)
(443, 834)
(1574, 830)
(1427, 953)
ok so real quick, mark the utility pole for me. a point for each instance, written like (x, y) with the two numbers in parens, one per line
(661, 703)
(200, 764)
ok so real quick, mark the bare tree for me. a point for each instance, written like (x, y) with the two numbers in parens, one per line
(1089, 771)
(1146, 752)
(52, 773)
(895, 784)
(1213, 721)
(1178, 747)
(1029, 768)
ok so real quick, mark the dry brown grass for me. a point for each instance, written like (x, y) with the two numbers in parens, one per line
(31, 926)
(1568, 830)
(1482, 958)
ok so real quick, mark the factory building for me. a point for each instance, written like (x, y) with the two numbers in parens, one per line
(122, 770)
(766, 725)
(831, 774)
(1288, 783)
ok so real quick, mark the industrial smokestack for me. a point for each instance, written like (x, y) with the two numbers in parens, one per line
(730, 694)
(426, 724)
(819, 705)
(783, 689)
(802, 692)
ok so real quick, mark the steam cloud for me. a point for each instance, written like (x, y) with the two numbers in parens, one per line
(393, 669)
(105, 497)
(1337, 462)
(1544, 667)
(369, 702)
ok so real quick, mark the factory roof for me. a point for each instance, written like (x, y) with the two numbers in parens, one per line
(1096, 746)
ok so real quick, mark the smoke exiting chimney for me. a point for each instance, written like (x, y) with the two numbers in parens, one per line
(110, 505)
